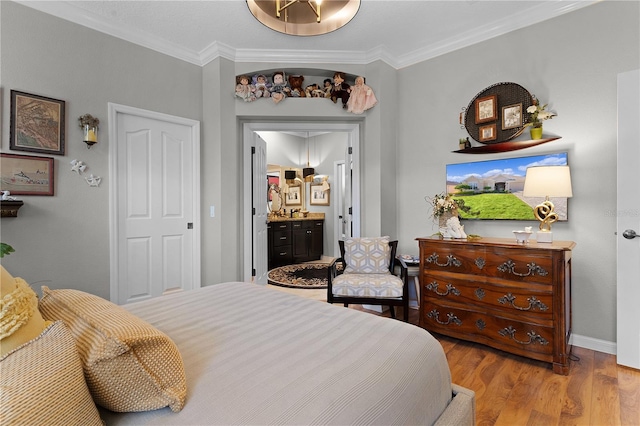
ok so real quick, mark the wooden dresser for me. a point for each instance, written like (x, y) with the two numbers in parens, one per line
(497, 292)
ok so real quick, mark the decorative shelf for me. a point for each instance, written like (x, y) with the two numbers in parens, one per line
(505, 146)
(10, 208)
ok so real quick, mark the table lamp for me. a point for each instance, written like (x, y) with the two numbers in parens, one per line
(547, 181)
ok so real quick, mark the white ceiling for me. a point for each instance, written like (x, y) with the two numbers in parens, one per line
(398, 32)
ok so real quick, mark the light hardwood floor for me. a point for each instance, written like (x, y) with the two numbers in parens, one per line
(512, 390)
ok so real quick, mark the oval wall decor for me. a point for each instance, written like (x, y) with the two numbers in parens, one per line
(498, 113)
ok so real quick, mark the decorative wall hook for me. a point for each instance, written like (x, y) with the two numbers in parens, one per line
(93, 180)
(78, 166)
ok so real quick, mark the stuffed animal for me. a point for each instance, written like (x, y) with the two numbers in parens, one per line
(280, 89)
(244, 90)
(262, 86)
(340, 89)
(295, 81)
(313, 91)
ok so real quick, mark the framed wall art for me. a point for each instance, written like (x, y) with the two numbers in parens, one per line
(294, 196)
(511, 116)
(486, 109)
(319, 197)
(488, 132)
(37, 123)
(26, 175)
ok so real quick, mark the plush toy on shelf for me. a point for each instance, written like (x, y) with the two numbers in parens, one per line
(314, 91)
(327, 86)
(262, 86)
(280, 89)
(295, 82)
(340, 89)
(361, 97)
(244, 90)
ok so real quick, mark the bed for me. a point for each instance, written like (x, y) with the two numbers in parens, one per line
(254, 355)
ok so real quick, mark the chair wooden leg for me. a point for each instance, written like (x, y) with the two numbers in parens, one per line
(393, 312)
(346, 305)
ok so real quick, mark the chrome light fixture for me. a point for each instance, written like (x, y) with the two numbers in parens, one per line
(293, 17)
(547, 181)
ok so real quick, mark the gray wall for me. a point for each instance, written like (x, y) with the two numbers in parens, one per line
(571, 62)
(63, 241)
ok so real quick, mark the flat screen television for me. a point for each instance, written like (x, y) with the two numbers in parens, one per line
(493, 189)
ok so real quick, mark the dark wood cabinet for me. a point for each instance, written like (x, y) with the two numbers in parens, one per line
(308, 239)
(494, 291)
(279, 236)
(295, 241)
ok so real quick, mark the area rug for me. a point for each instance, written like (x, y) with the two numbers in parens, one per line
(304, 275)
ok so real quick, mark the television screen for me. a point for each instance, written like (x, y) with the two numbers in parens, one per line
(493, 189)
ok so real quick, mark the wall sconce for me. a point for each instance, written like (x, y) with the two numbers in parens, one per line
(89, 126)
(547, 181)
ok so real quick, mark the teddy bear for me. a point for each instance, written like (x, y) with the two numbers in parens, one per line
(262, 86)
(295, 82)
(244, 90)
(280, 88)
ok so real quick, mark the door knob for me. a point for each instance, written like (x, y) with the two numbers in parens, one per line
(630, 234)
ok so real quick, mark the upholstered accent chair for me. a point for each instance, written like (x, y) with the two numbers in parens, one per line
(368, 265)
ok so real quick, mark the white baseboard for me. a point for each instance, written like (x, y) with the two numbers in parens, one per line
(593, 344)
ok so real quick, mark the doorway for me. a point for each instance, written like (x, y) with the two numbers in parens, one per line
(251, 229)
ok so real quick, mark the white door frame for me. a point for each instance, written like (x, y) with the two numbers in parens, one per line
(114, 110)
(353, 140)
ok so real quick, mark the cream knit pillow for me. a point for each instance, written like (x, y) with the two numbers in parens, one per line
(129, 365)
(42, 383)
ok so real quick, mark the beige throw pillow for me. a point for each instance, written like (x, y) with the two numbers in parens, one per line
(367, 255)
(42, 383)
(129, 365)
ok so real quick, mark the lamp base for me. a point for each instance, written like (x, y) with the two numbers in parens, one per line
(544, 236)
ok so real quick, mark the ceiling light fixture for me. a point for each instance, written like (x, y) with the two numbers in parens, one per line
(316, 18)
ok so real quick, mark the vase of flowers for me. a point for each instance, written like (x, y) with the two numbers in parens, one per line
(443, 207)
(537, 114)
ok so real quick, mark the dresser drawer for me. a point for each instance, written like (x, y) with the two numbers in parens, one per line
(451, 259)
(511, 297)
(519, 337)
(522, 265)
(281, 238)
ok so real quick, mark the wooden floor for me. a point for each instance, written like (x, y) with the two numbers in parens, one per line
(512, 390)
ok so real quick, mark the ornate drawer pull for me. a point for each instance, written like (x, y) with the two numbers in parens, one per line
(533, 302)
(534, 269)
(450, 289)
(451, 260)
(533, 337)
(450, 318)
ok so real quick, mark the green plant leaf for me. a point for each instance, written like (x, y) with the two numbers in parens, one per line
(5, 249)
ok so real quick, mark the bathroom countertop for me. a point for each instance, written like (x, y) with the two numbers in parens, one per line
(310, 216)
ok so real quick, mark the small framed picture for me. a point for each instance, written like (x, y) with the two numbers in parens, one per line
(319, 197)
(488, 133)
(486, 109)
(294, 196)
(512, 116)
(26, 175)
(37, 124)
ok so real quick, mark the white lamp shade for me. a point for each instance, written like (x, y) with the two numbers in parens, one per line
(548, 181)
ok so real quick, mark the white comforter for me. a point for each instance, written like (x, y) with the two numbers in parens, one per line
(254, 355)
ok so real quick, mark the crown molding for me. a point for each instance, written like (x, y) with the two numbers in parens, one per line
(543, 12)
